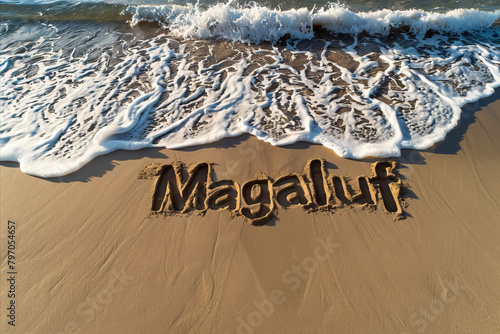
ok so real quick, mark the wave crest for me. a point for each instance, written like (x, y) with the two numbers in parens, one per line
(256, 23)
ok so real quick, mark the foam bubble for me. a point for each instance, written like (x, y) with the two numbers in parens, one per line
(360, 95)
(256, 23)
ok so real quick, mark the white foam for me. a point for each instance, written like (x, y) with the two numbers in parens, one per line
(341, 20)
(248, 24)
(60, 110)
(256, 23)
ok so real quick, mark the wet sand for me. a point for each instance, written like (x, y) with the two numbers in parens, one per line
(91, 258)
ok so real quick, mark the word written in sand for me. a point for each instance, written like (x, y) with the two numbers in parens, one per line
(180, 189)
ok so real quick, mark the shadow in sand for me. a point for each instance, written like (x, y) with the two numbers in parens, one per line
(100, 165)
(222, 143)
(9, 164)
(106, 163)
(451, 144)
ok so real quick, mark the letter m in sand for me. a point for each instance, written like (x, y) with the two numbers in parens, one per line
(180, 190)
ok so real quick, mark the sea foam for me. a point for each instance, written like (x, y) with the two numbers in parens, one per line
(77, 92)
(256, 23)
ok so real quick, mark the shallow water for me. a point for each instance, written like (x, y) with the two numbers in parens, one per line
(84, 79)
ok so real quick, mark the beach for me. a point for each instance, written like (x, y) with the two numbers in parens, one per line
(92, 258)
(249, 167)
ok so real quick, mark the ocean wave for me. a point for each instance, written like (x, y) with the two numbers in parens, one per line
(74, 90)
(255, 23)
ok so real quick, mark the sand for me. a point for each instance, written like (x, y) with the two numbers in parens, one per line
(91, 258)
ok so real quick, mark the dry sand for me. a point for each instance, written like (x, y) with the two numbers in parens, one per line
(91, 259)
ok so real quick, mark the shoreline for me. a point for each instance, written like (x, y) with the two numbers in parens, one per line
(450, 145)
(93, 259)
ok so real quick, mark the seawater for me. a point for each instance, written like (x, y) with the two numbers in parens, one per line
(82, 79)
